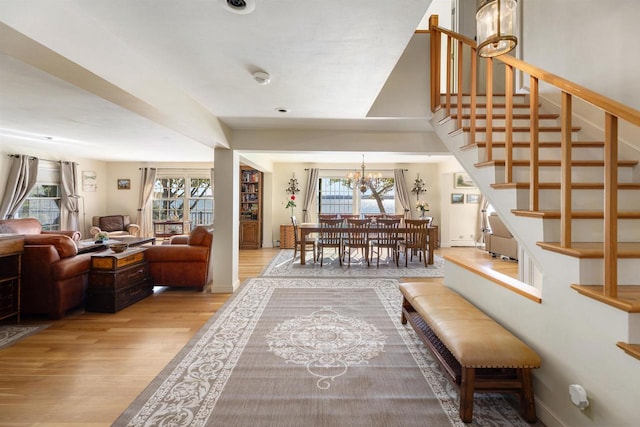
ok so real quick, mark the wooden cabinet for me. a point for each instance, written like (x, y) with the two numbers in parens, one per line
(250, 208)
(117, 281)
(11, 248)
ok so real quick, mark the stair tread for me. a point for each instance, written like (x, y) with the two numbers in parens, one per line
(575, 214)
(592, 249)
(574, 185)
(521, 128)
(584, 163)
(630, 349)
(541, 144)
(628, 298)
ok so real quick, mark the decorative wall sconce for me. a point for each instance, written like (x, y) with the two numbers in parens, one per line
(418, 186)
(293, 186)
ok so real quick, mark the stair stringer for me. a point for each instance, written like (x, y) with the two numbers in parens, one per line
(606, 368)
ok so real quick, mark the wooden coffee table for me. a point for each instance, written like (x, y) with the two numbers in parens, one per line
(89, 245)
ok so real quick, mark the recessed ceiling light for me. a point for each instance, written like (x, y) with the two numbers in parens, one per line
(241, 7)
(282, 110)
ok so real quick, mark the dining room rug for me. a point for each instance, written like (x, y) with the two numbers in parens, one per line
(308, 352)
(283, 265)
(11, 334)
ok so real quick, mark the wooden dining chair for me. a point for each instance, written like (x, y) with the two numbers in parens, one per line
(330, 237)
(357, 237)
(327, 216)
(308, 243)
(386, 237)
(415, 240)
(349, 216)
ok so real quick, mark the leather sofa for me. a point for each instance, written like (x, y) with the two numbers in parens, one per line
(32, 226)
(54, 277)
(114, 225)
(499, 241)
(184, 262)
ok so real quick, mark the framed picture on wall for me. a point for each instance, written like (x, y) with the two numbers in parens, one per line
(88, 181)
(124, 184)
(457, 198)
(462, 180)
(473, 198)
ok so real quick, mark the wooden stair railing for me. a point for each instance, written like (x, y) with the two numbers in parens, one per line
(613, 112)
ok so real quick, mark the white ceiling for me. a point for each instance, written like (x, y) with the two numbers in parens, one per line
(133, 80)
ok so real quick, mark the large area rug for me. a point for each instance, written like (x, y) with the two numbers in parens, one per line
(283, 265)
(10, 334)
(308, 352)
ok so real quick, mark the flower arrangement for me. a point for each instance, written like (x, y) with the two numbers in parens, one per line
(291, 203)
(102, 236)
(422, 206)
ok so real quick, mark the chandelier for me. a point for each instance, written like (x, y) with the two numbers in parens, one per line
(361, 180)
(496, 21)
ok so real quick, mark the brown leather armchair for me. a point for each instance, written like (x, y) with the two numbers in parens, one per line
(114, 225)
(184, 262)
(32, 226)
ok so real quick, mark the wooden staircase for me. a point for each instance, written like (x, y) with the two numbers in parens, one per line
(585, 196)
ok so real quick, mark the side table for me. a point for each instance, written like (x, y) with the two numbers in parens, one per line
(11, 248)
(287, 239)
(117, 280)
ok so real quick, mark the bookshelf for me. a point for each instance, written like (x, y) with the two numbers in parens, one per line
(250, 208)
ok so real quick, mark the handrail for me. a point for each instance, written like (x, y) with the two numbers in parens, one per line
(613, 112)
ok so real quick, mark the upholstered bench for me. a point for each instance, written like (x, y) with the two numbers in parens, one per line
(477, 354)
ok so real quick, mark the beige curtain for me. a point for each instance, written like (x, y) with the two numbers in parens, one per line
(69, 181)
(310, 193)
(402, 192)
(148, 178)
(22, 178)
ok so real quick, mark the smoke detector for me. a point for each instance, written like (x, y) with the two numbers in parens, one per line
(240, 7)
(262, 77)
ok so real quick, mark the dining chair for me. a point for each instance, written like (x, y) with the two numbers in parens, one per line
(374, 217)
(327, 216)
(415, 240)
(395, 216)
(296, 238)
(330, 237)
(357, 237)
(349, 216)
(386, 237)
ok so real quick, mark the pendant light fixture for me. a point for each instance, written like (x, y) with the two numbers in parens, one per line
(496, 22)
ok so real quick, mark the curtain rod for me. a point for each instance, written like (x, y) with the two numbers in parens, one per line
(44, 160)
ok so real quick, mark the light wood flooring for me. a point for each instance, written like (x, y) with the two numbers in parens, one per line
(85, 369)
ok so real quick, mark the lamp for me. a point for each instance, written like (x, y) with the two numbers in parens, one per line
(293, 185)
(418, 186)
(84, 212)
(496, 21)
(361, 180)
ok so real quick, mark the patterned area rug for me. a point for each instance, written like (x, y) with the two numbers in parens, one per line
(10, 334)
(283, 265)
(308, 352)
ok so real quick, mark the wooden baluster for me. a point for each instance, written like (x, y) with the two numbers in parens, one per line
(611, 205)
(448, 89)
(474, 90)
(459, 98)
(508, 125)
(489, 110)
(534, 174)
(565, 172)
(435, 62)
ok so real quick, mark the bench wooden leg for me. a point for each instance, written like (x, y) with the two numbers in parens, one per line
(405, 306)
(467, 386)
(527, 400)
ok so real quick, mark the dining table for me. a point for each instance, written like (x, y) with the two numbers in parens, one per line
(307, 228)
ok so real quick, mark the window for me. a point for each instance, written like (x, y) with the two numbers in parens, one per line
(183, 195)
(336, 196)
(43, 201)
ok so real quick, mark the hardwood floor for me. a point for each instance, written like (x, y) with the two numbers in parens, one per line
(85, 369)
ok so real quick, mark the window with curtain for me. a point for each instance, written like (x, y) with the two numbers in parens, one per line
(44, 200)
(336, 196)
(183, 195)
